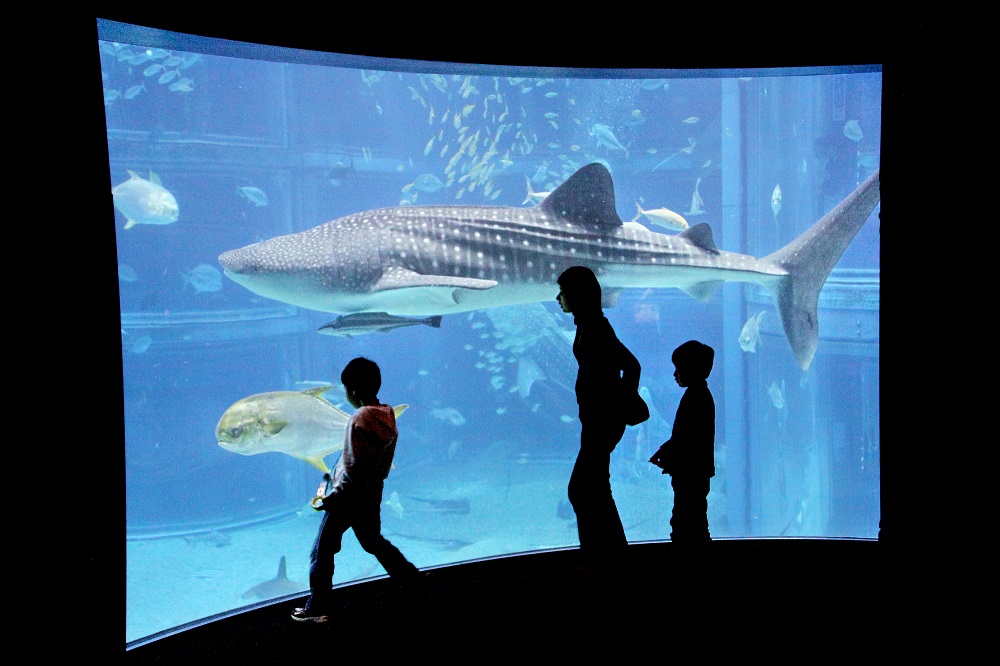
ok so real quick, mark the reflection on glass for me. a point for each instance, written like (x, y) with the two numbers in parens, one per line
(212, 153)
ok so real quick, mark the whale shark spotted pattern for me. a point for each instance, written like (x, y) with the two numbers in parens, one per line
(431, 260)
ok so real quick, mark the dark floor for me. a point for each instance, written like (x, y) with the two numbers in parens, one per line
(761, 590)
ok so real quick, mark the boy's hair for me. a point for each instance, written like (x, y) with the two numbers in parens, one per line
(581, 287)
(363, 376)
(694, 359)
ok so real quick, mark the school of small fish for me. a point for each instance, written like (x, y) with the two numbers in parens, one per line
(168, 68)
(481, 125)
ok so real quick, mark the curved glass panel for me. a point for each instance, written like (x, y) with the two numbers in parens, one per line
(214, 146)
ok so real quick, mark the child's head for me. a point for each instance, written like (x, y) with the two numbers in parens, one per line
(362, 379)
(693, 360)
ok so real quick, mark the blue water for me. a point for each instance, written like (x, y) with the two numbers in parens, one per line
(320, 142)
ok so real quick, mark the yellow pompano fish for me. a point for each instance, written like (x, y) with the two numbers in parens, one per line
(664, 217)
(298, 423)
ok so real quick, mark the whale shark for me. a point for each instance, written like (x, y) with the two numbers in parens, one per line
(437, 260)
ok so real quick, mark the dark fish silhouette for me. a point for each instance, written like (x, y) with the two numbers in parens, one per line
(442, 544)
(276, 587)
(212, 538)
(368, 322)
(457, 506)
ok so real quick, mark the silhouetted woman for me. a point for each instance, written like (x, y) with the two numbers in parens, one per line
(607, 371)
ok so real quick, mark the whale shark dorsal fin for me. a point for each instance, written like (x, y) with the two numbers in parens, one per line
(701, 236)
(402, 278)
(587, 197)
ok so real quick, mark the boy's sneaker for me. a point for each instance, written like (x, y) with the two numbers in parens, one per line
(309, 615)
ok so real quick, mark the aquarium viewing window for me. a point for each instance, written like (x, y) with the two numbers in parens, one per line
(217, 147)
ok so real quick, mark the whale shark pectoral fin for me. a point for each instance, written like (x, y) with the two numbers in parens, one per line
(703, 290)
(403, 278)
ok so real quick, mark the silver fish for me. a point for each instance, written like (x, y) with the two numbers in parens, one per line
(144, 201)
(750, 335)
(204, 278)
(697, 203)
(254, 195)
(663, 217)
(534, 197)
(606, 137)
(777, 395)
(852, 130)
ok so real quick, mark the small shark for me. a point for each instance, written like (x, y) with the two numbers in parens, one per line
(278, 586)
(428, 260)
(348, 326)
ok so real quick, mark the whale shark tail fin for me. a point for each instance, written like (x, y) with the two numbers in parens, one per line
(809, 260)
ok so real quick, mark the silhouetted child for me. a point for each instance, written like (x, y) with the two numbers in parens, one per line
(689, 455)
(352, 496)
